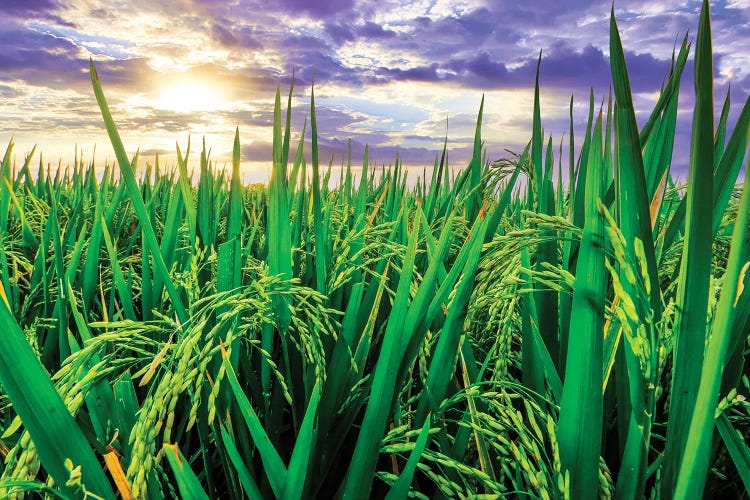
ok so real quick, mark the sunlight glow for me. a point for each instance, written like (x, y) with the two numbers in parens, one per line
(187, 96)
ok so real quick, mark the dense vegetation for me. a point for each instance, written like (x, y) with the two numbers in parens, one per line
(498, 332)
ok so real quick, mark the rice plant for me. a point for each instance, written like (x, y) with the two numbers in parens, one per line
(494, 333)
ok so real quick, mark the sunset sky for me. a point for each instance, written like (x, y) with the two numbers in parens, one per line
(389, 74)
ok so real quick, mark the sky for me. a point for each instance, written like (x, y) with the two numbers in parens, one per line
(397, 76)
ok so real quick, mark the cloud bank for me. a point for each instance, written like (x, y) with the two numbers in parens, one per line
(395, 76)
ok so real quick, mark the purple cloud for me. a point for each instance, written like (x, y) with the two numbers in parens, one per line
(485, 69)
(372, 30)
(33, 9)
(317, 10)
(419, 74)
(223, 35)
(381, 46)
(339, 32)
(243, 37)
(37, 58)
(24, 7)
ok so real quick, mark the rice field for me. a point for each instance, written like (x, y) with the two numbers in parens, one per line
(532, 327)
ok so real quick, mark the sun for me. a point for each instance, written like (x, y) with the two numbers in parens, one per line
(189, 96)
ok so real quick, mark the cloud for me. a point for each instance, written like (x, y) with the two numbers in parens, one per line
(37, 58)
(486, 70)
(372, 30)
(10, 92)
(257, 151)
(243, 37)
(317, 10)
(32, 9)
(386, 72)
(223, 35)
(420, 74)
(563, 68)
(156, 151)
(24, 7)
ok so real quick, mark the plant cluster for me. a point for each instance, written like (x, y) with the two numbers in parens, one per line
(494, 333)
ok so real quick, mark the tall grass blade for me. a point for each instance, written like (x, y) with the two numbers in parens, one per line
(400, 489)
(135, 197)
(695, 270)
(304, 447)
(244, 476)
(737, 448)
(361, 472)
(693, 469)
(632, 210)
(579, 429)
(275, 470)
(321, 259)
(56, 435)
(187, 481)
